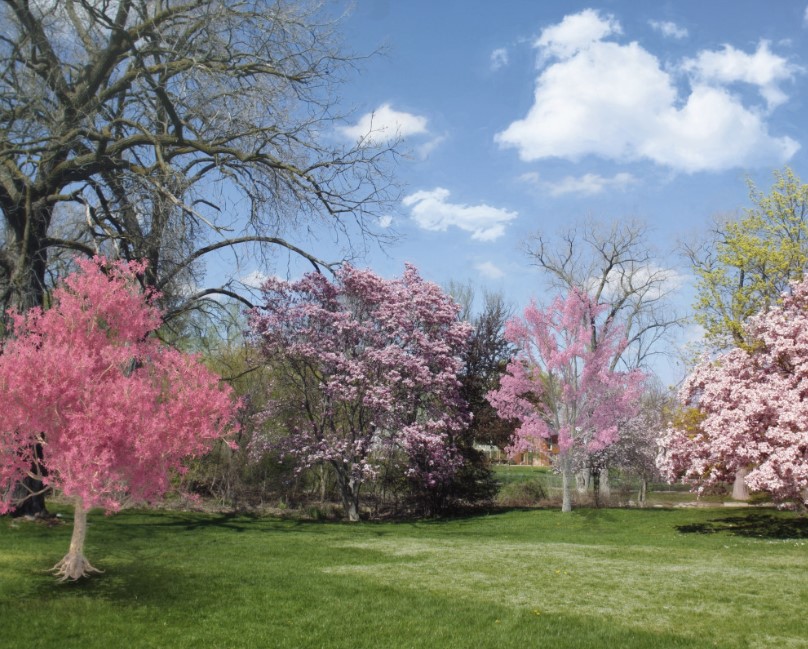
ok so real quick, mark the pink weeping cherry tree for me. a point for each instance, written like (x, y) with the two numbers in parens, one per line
(369, 367)
(561, 388)
(749, 410)
(112, 409)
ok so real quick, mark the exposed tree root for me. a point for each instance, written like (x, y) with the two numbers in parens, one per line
(73, 566)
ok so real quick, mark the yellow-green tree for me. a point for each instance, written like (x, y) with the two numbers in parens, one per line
(747, 263)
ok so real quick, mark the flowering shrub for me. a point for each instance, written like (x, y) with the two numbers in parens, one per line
(363, 366)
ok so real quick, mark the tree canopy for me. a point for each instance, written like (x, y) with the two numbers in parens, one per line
(561, 387)
(747, 263)
(366, 366)
(168, 130)
(115, 410)
(746, 409)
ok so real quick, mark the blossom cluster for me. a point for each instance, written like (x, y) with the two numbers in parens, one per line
(112, 408)
(369, 366)
(561, 385)
(752, 409)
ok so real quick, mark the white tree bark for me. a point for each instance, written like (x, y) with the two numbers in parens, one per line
(739, 489)
(74, 565)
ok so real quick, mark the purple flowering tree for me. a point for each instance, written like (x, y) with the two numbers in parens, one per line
(368, 367)
(561, 387)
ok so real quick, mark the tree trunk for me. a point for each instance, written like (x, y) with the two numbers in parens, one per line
(595, 488)
(605, 487)
(582, 480)
(643, 494)
(74, 566)
(566, 484)
(349, 491)
(27, 256)
(739, 489)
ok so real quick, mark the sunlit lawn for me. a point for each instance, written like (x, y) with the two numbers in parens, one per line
(606, 578)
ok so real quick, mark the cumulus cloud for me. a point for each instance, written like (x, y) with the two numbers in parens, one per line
(384, 125)
(385, 221)
(588, 184)
(499, 58)
(577, 32)
(763, 69)
(490, 270)
(600, 97)
(432, 210)
(668, 29)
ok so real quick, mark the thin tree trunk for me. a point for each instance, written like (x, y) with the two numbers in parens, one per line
(605, 487)
(74, 566)
(566, 485)
(582, 480)
(349, 492)
(595, 488)
(642, 496)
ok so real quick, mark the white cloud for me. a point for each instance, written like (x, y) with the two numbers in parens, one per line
(657, 282)
(254, 279)
(668, 29)
(589, 184)
(432, 211)
(385, 221)
(499, 58)
(576, 32)
(424, 150)
(763, 69)
(385, 124)
(490, 270)
(602, 98)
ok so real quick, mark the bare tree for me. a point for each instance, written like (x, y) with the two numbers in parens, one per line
(168, 130)
(614, 264)
(177, 128)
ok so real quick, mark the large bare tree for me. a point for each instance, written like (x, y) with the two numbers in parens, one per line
(173, 128)
(614, 264)
(168, 130)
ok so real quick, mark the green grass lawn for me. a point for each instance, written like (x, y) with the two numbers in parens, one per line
(593, 578)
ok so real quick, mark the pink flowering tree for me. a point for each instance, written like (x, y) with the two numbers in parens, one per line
(562, 388)
(369, 367)
(749, 410)
(112, 409)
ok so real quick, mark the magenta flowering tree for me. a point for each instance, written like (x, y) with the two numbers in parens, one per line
(369, 366)
(562, 388)
(751, 410)
(112, 409)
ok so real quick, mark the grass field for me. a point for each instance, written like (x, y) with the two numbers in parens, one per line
(594, 578)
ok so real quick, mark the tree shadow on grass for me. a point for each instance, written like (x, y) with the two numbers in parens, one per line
(125, 582)
(767, 526)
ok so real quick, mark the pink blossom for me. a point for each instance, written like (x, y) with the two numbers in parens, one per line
(114, 409)
(560, 386)
(752, 409)
(373, 364)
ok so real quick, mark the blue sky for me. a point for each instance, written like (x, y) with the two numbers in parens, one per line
(520, 116)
